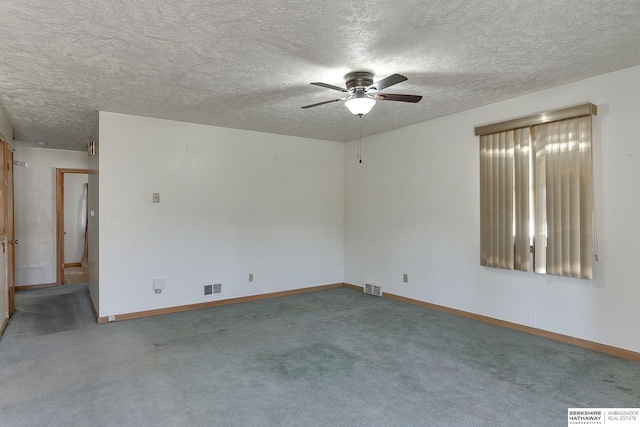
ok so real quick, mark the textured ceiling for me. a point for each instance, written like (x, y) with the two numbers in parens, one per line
(247, 64)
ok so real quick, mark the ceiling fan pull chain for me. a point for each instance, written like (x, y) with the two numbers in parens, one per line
(360, 138)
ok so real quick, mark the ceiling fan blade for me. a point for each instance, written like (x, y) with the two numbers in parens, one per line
(398, 97)
(393, 79)
(324, 102)
(328, 86)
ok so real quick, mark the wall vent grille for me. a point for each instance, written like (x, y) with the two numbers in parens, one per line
(215, 288)
(373, 289)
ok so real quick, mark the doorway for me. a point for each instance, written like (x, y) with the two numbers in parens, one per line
(71, 226)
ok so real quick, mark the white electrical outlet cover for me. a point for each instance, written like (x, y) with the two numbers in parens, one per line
(532, 319)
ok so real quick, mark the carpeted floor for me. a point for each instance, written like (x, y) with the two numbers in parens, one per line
(329, 358)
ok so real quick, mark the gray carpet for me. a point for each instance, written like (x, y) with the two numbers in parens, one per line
(329, 358)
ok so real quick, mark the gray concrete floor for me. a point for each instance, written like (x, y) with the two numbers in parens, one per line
(329, 358)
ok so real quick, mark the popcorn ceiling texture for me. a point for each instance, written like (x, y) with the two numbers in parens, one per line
(246, 64)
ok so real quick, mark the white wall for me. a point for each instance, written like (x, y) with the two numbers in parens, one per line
(93, 226)
(75, 199)
(232, 202)
(413, 207)
(35, 210)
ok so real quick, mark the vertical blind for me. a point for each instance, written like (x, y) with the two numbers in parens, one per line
(496, 191)
(522, 194)
(536, 193)
(504, 199)
(563, 197)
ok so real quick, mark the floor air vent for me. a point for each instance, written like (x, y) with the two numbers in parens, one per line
(373, 289)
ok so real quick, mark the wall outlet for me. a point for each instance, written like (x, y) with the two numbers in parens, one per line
(531, 321)
(158, 285)
(251, 277)
(155, 197)
(158, 291)
(111, 318)
(405, 278)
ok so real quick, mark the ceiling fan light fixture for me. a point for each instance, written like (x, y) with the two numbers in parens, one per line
(361, 93)
(360, 104)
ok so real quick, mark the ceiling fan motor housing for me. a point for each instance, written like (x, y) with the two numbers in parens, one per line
(358, 80)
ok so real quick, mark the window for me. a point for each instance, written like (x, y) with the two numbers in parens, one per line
(536, 193)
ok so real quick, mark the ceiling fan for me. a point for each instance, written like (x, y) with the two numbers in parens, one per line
(361, 92)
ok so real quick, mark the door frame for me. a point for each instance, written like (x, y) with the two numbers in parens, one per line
(60, 220)
(7, 230)
(11, 231)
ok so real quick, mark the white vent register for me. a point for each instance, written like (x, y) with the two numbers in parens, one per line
(373, 289)
(215, 288)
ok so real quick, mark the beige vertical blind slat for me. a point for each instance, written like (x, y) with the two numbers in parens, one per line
(564, 175)
(586, 198)
(503, 211)
(554, 176)
(574, 217)
(497, 211)
(556, 219)
(496, 205)
(508, 201)
(485, 195)
(521, 203)
(539, 201)
(483, 233)
(548, 146)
